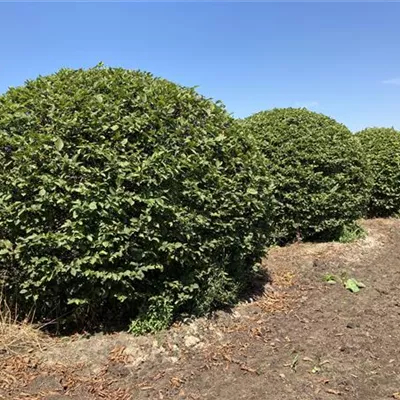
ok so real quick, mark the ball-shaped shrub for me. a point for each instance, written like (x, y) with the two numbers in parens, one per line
(321, 182)
(123, 195)
(382, 149)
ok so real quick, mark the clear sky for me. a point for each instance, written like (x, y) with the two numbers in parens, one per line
(341, 59)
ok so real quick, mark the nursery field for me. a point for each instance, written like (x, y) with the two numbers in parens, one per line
(303, 336)
(152, 246)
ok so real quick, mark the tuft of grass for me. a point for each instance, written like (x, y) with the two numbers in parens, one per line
(351, 233)
(17, 336)
(329, 278)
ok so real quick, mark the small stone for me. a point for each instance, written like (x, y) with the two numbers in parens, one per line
(175, 348)
(191, 341)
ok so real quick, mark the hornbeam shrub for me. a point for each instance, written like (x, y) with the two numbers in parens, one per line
(319, 170)
(382, 149)
(123, 196)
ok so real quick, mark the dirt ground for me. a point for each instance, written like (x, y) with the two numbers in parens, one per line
(303, 339)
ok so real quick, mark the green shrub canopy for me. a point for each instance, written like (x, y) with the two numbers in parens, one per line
(319, 172)
(382, 149)
(125, 193)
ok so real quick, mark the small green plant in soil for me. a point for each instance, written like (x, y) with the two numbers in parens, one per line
(353, 285)
(329, 278)
(349, 283)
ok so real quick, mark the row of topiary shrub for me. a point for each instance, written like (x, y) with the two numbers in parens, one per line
(326, 177)
(127, 197)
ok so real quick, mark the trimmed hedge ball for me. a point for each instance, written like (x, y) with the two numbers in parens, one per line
(125, 196)
(319, 170)
(382, 149)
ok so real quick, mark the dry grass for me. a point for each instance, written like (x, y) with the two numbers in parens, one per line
(17, 336)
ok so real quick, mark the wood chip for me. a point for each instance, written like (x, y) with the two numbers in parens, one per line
(248, 369)
(333, 391)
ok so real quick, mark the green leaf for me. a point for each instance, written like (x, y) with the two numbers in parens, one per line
(121, 297)
(59, 144)
(93, 205)
(77, 302)
(329, 278)
(7, 244)
(354, 286)
(115, 127)
(251, 191)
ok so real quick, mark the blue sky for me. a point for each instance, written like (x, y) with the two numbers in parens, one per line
(341, 59)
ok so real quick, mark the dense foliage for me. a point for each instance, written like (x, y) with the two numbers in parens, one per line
(125, 195)
(382, 149)
(321, 182)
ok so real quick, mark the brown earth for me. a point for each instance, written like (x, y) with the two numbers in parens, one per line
(303, 339)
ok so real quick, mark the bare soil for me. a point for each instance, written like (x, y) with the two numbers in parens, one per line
(303, 339)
